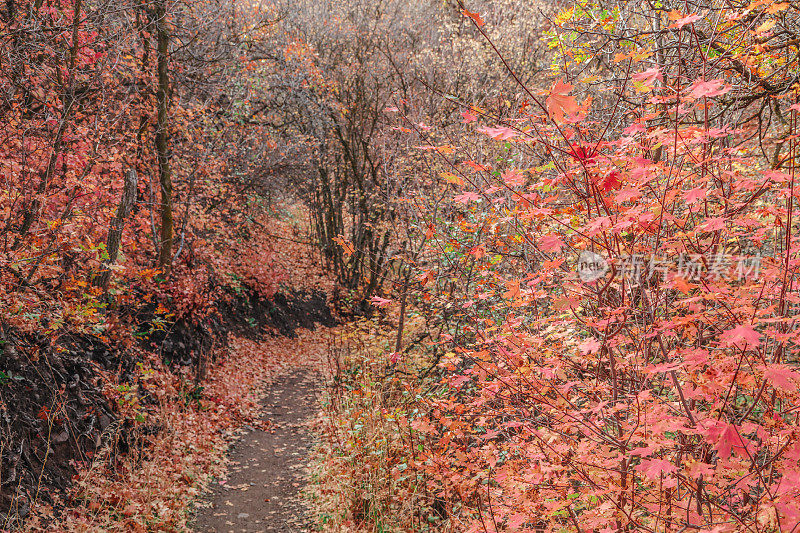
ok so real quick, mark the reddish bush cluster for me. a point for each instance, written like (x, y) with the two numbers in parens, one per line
(88, 98)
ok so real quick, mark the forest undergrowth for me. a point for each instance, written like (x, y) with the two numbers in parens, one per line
(565, 235)
(604, 257)
(363, 474)
(173, 427)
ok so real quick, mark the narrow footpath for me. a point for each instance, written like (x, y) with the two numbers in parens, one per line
(266, 473)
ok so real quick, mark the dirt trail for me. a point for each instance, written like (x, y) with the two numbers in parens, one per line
(262, 492)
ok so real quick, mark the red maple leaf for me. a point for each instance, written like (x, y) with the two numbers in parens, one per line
(468, 117)
(628, 194)
(782, 377)
(500, 133)
(713, 224)
(550, 242)
(728, 439)
(695, 195)
(583, 153)
(682, 20)
(467, 197)
(702, 88)
(590, 345)
(741, 334)
(476, 166)
(513, 178)
(612, 180)
(648, 76)
(653, 468)
(380, 302)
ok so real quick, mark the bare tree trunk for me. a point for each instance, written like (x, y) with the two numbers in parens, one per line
(115, 231)
(162, 139)
(398, 345)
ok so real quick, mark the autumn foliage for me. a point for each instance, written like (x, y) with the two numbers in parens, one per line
(658, 390)
(80, 110)
(573, 225)
(127, 205)
(611, 256)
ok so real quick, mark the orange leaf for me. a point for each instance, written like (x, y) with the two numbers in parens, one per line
(775, 8)
(768, 25)
(559, 102)
(347, 247)
(452, 178)
(513, 290)
(682, 285)
(479, 22)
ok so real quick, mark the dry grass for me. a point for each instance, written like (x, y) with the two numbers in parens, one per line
(364, 474)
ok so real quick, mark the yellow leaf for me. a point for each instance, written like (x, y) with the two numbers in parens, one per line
(768, 25)
(452, 178)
